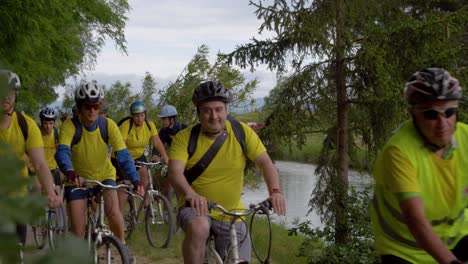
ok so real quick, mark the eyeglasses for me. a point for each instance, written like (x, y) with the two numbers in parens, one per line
(93, 106)
(433, 114)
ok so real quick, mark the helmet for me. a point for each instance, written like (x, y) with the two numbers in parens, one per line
(48, 113)
(89, 93)
(10, 79)
(432, 84)
(167, 111)
(137, 107)
(210, 91)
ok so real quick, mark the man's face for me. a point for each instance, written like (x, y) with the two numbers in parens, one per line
(8, 103)
(436, 120)
(89, 113)
(165, 121)
(212, 116)
(139, 118)
(47, 126)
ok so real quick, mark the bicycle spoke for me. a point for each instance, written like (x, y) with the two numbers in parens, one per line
(159, 222)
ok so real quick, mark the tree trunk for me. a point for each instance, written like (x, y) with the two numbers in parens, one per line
(341, 226)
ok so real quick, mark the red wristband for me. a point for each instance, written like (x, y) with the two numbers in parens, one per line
(275, 190)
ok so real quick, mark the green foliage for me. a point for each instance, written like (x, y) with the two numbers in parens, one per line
(179, 93)
(319, 246)
(119, 98)
(45, 42)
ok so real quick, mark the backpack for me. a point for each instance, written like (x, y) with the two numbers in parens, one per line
(102, 123)
(236, 127)
(193, 173)
(131, 123)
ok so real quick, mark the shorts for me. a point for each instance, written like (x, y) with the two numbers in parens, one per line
(58, 180)
(220, 231)
(121, 176)
(83, 194)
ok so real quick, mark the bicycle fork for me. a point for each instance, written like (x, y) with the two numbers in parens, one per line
(234, 254)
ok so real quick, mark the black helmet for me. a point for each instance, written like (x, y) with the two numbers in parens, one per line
(432, 84)
(210, 91)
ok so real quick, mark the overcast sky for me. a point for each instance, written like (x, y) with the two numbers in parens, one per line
(163, 35)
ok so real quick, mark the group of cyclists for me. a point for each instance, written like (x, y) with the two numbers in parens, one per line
(91, 146)
(419, 211)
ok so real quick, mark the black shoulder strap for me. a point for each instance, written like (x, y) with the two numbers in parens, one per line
(238, 132)
(123, 120)
(193, 140)
(148, 125)
(102, 123)
(22, 123)
(193, 173)
(78, 131)
(56, 135)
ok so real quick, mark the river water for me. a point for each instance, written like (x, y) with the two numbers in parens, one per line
(297, 182)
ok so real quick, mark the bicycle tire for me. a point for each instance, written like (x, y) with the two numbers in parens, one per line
(261, 250)
(159, 230)
(40, 230)
(130, 217)
(57, 225)
(111, 250)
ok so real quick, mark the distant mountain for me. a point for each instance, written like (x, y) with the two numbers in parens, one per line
(245, 107)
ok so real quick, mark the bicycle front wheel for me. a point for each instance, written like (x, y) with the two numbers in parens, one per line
(159, 222)
(40, 230)
(57, 225)
(130, 217)
(111, 250)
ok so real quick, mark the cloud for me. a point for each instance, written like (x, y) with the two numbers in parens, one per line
(163, 36)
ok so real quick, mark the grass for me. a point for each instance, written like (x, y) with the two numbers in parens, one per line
(284, 247)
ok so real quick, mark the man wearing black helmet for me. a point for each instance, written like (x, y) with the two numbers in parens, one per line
(421, 192)
(24, 142)
(222, 180)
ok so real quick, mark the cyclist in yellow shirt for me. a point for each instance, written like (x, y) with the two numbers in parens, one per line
(421, 190)
(222, 179)
(11, 133)
(137, 133)
(50, 138)
(85, 157)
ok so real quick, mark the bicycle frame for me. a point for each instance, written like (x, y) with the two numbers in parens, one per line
(232, 256)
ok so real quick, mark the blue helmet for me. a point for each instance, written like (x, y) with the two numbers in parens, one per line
(137, 107)
(48, 113)
(167, 111)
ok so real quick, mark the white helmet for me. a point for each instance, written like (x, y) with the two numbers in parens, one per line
(167, 111)
(89, 93)
(11, 80)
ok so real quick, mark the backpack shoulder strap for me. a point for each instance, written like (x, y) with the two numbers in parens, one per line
(148, 125)
(102, 123)
(78, 131)
(56, 134)
(193, 140)
(22, 123)
(123, 120)
(238, 132)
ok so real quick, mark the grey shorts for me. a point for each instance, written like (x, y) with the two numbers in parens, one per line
(220, 232)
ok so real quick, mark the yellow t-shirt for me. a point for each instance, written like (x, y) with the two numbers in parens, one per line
(14, 137)
(223, 179)
(49, 150)
(138, 137)
(401, 175)
(89, 155)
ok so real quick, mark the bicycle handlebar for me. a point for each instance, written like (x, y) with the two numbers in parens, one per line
(252, 208)
(104, 186)
(149, 164)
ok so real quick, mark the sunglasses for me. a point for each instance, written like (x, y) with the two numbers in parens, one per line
(433, 114)
(93, 106)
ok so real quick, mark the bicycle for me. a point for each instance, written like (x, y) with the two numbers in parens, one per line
(158, 213)
(100, 239)
(53, 224)
(232, 252)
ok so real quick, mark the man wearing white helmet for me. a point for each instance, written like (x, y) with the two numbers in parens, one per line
(85, 157)
(170, 127)
(27, 142)
(421, 191)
